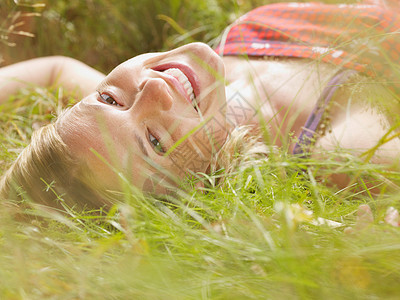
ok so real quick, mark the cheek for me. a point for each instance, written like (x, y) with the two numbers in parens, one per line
(211, 136)
(190, 156)
(195, 153)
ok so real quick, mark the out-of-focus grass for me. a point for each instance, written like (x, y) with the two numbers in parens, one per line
(103, 33)
(253, 238)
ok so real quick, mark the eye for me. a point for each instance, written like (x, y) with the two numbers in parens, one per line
(108, 99)
(158, 147)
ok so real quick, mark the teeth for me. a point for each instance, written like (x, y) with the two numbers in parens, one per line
(187, 86)
(178, 74)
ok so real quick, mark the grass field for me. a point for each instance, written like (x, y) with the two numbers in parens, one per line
(274, 230)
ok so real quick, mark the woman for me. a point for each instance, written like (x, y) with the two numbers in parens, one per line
(300, 72)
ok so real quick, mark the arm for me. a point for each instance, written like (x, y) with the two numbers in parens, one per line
(65, 72)
(365, 131)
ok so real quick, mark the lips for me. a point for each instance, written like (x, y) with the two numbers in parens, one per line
(188, 80)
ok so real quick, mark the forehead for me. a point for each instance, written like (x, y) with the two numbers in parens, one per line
(84, 129)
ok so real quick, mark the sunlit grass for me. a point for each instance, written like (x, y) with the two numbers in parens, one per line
(260, 235)
(255, 237)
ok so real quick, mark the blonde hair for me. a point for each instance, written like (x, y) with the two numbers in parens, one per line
(46, 173)
(244, 148)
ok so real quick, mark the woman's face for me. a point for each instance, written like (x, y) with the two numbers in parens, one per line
(155, 116)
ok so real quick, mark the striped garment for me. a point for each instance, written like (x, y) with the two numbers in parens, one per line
(362, 37)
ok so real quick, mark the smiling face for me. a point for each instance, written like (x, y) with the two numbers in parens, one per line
(155, 116)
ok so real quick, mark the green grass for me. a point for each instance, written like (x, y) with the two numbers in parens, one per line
(249, 239)
(252, 238)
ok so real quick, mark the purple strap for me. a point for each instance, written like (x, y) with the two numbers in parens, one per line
(307, 136)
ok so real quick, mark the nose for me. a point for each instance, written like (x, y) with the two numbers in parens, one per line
(155, 95)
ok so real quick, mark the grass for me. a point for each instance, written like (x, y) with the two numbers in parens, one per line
(252, 238)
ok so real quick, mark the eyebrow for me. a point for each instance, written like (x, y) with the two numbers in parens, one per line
(141, 145)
